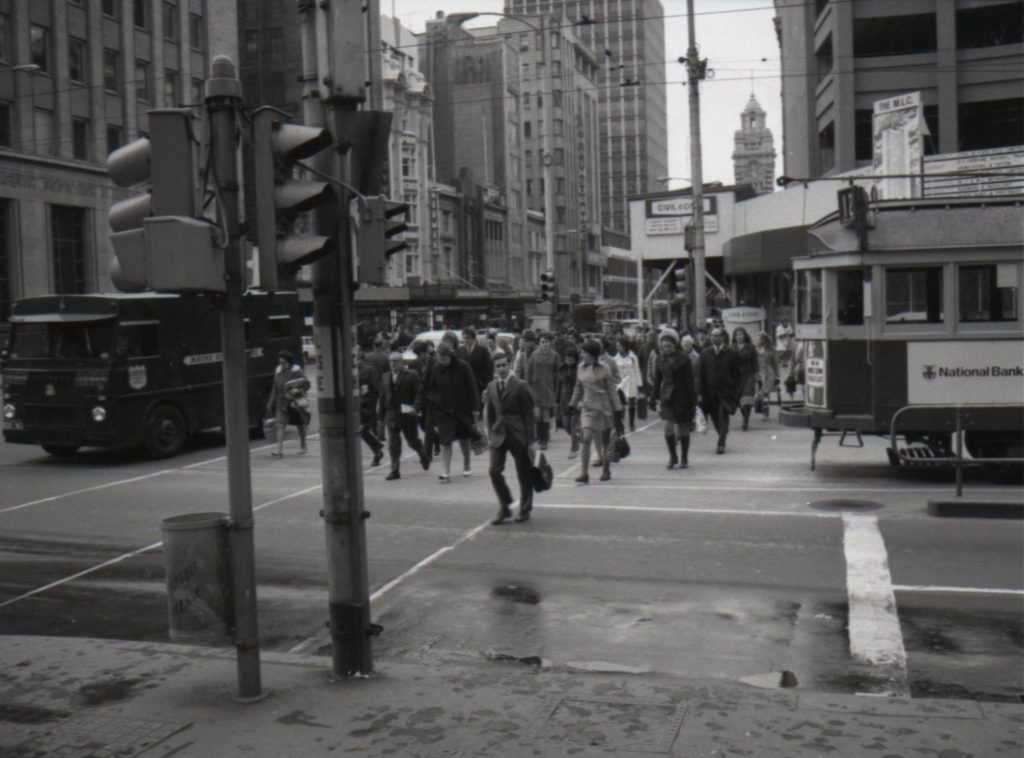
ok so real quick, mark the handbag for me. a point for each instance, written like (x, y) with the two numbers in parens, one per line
(541, 474)
(269, 426)
(618, 448)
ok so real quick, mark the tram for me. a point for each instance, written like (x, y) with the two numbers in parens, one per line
(910, 327)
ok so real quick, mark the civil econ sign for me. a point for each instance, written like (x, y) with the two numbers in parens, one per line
(987, 372)
(898, 131)
(669, 215)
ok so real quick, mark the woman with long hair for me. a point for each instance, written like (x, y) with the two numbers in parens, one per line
(748, 372)
(595, 396)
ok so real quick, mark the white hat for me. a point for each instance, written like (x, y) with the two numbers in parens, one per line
(670, 333)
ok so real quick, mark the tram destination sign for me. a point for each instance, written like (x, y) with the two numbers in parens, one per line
(986, 372)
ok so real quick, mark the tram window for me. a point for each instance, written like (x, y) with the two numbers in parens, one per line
(988, 294)
(913, 295)
(808, 295)
(850, 285)
(280, 327)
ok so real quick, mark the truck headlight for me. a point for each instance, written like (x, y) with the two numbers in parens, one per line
(99, 413)
(9, 411)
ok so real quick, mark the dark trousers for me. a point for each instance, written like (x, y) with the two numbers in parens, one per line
(406, 425)
(718, 416)
(521, 457)
(368, 432)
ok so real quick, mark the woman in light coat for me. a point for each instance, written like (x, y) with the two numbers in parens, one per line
(630, 379)
(597, 398)
(288, 403)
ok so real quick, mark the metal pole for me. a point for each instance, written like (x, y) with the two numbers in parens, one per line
(548, 159)
(640, 284)
(334, 319)
(223, 98)
(693, 68)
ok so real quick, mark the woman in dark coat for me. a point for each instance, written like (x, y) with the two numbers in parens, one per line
(454, 401)
(677, 397)
(743, 345)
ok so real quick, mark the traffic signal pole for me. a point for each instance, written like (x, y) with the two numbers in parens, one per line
(223, 98)
(695, 73)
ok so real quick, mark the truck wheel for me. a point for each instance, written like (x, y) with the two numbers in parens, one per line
(165, 432)
(61, 451)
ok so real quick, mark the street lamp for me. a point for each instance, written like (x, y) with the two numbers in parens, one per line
(547, 159)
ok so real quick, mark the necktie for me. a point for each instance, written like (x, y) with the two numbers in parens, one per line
(501, 387)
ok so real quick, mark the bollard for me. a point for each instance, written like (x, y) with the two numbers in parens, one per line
(198, 577)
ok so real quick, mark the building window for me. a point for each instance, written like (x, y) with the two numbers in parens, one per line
(170, 21)
(991, 123)
(989, 292)
(80, 138)
(68, 233)
(808, 297)
(559, 127)
(527, 129)
(275, 43)
(76, 60)
(6, 53)
(110, 8)
(197, 92)
(45, 137)
(5, 125)
(252, 44)
(850, 289)
(39, 47)
(142, 89)
(823, 59)
(140, 13)
(195, 31)
(894, 35)
(990, 25)
(827, 148)
(913, 295)
(170, 88)
(111, 78)
(559, 156)
(113, 138)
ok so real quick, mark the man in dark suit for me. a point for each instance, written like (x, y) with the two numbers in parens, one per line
(719, 384)
(400, 390)
(478, 356)
(508, 411)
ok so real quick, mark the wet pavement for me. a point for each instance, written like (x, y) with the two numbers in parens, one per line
(83, 698)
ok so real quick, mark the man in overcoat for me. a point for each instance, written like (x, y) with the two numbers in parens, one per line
(400, 391)
(508, 412)
(720, 382)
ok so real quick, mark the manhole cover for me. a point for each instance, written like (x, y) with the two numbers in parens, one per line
(843, 504)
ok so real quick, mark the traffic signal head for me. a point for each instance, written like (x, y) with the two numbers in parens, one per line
(380, 221)
(547, 287)
(280, 198)
(677, 281)
(166, 161)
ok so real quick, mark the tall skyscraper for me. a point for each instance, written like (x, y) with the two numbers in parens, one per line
(629, 37)
(753, 156)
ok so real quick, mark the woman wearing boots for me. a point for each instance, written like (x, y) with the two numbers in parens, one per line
(630, 379)
(596, 397)
(677, 398)
(541, 378)
(743, 345)
(566, 384)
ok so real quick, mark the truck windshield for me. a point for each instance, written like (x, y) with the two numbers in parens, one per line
(82, 341)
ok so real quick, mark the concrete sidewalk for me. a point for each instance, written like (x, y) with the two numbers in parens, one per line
(86, 697)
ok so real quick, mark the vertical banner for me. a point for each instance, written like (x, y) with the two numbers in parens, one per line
(898, 131)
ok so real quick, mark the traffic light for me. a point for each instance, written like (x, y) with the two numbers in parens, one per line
(158, 242)
(380, 222)
(280, 198)
(548, 287)
(677, 282)
(689, 237)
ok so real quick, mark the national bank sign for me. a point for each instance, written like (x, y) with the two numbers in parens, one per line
(988, 372)
(670, 215)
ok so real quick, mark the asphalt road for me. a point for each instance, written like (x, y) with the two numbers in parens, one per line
(744, 566)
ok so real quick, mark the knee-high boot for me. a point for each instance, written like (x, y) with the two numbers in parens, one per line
(684, 451)
(670, 442)
(543, 433)
(584, 476)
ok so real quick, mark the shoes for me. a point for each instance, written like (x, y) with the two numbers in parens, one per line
(572, 454)
(684, 464)
(503, 515)
(583, 479)
(720, 449)
(377, 457)
(605, 475)
(277, 455)
(746, 425)
(467, 472)
(444, 478)
(392, 476)
(425, 460)
(303, 450)
(523, 516)
(671, 464)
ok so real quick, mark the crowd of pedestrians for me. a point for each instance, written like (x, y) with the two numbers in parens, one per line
(484, 393)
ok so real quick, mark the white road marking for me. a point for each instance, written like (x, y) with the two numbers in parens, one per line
(963, 590)
(874, 627)
(82, 491)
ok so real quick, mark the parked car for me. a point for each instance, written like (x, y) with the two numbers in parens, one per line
(434, 338)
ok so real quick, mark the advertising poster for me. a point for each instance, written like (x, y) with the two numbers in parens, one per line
(898, 130)
(987, 372)
(816, 385)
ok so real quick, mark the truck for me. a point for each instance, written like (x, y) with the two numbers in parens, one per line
(131, 370)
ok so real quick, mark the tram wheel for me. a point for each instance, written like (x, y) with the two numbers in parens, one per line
(165, 432)
(998, 445)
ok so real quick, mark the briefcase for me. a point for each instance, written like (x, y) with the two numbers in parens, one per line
(541, 474)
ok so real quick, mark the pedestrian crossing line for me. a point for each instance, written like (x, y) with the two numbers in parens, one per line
(682, 509)
(963, 590)
(874, 626)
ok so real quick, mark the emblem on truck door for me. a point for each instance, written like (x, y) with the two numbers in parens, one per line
(137, 377)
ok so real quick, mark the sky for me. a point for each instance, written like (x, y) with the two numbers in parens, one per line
(736, 36)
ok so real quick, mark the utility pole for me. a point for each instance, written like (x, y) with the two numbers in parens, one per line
(223, 99)
(695, 69)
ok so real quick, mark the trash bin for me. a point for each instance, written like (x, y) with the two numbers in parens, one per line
(198, 577)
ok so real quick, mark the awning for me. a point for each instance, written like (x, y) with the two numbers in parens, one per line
(760, 252)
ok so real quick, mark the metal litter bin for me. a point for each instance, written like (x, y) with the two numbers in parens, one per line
(199, 604)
